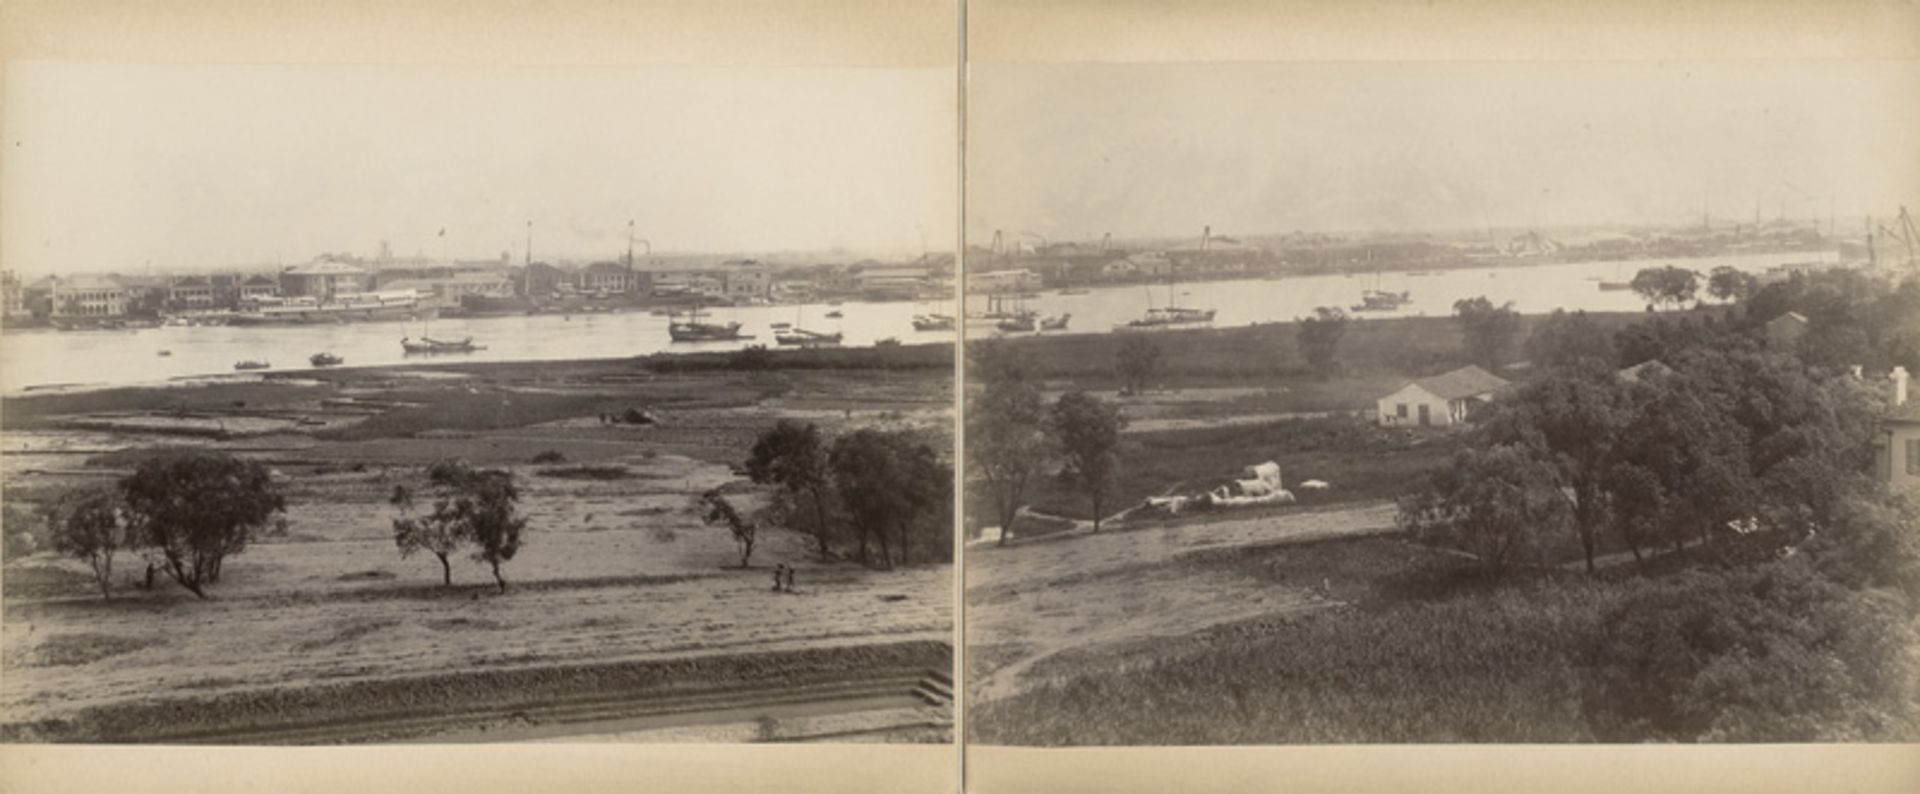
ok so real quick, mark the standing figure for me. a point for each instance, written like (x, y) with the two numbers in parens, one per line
(779, 576)
(790, 572)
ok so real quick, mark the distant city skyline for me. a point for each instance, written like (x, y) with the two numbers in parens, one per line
(197, 167)
(1073, 151)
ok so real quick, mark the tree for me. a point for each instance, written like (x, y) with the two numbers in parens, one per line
(1730, 284)
(1089, 434)
(1679, 467)
(1569, 420)
(480, 508)
(1494, 503)
(1773, 654)
(891, 484)
(440, 532)
(1137, 360)
(1005, 433)
(195, 509)
(87, 526)
(487, 506)
(1319, 338)
(1570, 340)
(1487, 329)
(717, 510)
(793, 456)
(1666, 286)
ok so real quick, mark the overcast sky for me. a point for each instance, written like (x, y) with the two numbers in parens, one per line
(109, 166)
(1070, 152)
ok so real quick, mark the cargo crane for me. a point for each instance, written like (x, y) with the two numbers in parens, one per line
(1904, 232)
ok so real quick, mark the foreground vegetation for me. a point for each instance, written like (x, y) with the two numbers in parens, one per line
(1770, 596)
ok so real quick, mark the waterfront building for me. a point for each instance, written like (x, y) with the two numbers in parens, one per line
(324, 278)
(190, 292)
(1441, 400)
(447, 290)
(1003, 281)
(84, 296)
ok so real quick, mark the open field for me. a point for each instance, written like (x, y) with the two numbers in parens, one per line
(617, 570)
(1090, 594)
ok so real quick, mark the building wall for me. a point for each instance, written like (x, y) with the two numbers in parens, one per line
(1402, 408)
(1899, 461)
(1440, 412)
(89, 302)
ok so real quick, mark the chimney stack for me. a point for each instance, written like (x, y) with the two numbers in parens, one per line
(1899, 377)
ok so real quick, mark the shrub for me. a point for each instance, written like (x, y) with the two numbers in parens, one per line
(550, 456)
(1774, 654)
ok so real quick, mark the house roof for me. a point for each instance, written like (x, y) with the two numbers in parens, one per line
(1467, 381)
(261, 281)
(1789, 316)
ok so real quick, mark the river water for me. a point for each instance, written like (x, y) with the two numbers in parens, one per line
(1531, 289)
(91, 359)
(38, 358)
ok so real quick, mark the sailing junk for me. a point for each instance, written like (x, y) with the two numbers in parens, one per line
(693, 330)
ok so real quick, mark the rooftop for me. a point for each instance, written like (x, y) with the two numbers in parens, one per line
(1467, 381)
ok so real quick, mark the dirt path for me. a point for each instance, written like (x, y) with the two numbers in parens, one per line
(1038, 600)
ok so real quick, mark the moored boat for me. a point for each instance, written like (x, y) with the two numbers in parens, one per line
(324, 359)
(250, 364)
(431, 345)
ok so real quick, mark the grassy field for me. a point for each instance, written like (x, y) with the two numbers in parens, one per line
(1362, 461)
(1267, 353)
(617, 568)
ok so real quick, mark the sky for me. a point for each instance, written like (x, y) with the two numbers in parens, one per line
(111, 167)
(1069, 152)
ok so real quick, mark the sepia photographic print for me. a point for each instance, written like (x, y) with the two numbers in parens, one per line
(959, 395)
(1442, 403)
(382, 403)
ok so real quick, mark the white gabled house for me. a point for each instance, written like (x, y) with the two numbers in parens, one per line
(1439, 401)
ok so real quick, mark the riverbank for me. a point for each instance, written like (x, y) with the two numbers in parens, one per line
(617, 569)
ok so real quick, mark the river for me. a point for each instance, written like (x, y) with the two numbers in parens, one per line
(92, 359)
(1531, 289)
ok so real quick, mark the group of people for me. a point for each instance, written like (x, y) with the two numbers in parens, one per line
(783, 578)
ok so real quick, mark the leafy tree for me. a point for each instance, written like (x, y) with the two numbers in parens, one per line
(1570, 421)
(1731, 284)
(481, 508)
(1137, 360)
(1666, 286)
(197, 508)
(87, 526)
(1570, 340)
(1667, 338)
(717, 510)
(1493, 502)
(891, 484)
(1773, 654)
(1319, 338)
(794, 457)
(1487, 329)
(1089, 434)
(1679, 467)
(440, 532)
(1005, 433)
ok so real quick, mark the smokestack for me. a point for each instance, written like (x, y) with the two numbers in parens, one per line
(1206, 236)
(1899, 377)
(1105, 240)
